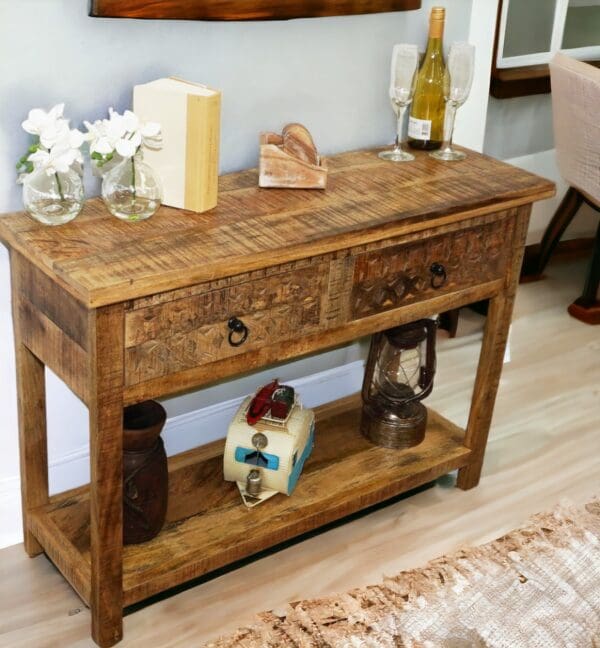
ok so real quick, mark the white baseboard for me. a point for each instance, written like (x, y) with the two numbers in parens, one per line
(181, 433)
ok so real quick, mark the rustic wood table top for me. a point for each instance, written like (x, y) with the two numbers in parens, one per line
(101, 260)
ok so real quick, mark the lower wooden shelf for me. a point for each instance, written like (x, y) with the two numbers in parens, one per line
(208, 526)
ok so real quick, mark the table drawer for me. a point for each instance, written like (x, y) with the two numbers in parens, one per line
(188, 332)
(406, 273)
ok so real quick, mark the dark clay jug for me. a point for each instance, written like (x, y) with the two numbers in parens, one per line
(145, 474)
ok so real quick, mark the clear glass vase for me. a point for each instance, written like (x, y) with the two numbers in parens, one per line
(132, 190)
(53, 199)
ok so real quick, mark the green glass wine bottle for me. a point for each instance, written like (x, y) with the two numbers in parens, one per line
(426, 123)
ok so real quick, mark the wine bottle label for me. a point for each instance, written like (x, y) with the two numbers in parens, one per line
(419, 128)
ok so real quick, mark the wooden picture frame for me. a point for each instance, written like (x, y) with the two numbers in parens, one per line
(243, 9)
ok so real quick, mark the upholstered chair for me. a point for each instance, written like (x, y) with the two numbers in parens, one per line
(576, 117)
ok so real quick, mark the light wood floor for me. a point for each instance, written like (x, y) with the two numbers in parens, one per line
(545, 445)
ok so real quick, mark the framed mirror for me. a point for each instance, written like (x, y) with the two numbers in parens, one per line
(243, 9)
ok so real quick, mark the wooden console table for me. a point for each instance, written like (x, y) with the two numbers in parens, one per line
(124, 312)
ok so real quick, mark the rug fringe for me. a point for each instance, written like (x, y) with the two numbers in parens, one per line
(378, 615)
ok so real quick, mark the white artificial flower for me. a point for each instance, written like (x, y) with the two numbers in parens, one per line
(58, 148)
(127, 145)
(130, 121)
(123, 134)
(58, 159)
(54, 133)
(75, 138)
(50, 127)
(151, 135)
(98, 137)
(38, 119)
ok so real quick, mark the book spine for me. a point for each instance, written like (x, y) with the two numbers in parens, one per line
(202, 152)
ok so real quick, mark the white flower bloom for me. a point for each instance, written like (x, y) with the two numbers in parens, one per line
(127, 146)
(38, 120)
(58, 148)
(116, 125)
(150, 129)
(50, 127)
(75, 138)
(151, 135)
(53, 133)
(122, 134)
(130, 121)
(95, 129)
(98, 137)
(58, 159)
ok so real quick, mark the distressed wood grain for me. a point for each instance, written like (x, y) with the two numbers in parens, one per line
(243, 9)
(174, 336)
(101, 260)
(207, 527)
(251, 359)
(489, 368)
(105, 509)
(54, 348)
(399, 275)
(31, 405)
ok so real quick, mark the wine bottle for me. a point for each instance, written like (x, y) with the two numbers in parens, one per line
(426, 123)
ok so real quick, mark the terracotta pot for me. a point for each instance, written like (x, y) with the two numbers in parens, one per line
(145, 473)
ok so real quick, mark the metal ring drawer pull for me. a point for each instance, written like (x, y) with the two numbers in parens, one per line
(438, 275)
(237, 327)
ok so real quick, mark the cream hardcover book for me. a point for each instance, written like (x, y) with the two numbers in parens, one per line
(188, 162)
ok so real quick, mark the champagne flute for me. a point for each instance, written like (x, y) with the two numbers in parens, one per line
(457, 85)
(405, 60)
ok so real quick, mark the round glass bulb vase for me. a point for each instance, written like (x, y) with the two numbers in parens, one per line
(132, 190)
(53, 199)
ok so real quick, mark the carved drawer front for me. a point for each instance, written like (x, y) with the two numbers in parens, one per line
(184, 333)
(407, 273)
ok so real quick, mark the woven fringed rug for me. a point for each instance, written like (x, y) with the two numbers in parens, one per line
(536, 587)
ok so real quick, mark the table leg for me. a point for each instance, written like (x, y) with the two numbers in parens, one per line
(33, 446)
(491, 358)
(31, 407)
(106, 479)
(486, 387)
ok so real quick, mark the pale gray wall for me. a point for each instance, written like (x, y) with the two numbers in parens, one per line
(331, 74)
(519, 126)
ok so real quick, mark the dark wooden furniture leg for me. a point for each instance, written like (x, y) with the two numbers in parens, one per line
(587, 307)
(449, 321)
(106, 482)
(536, 257)
(497, 326)
(31, 394)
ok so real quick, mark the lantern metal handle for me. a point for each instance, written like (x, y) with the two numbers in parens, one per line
(427, 373)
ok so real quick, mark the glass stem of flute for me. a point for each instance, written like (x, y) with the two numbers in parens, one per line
(399, 126)
(449, 118)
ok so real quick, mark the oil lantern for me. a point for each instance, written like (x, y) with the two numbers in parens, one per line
(399, 375)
